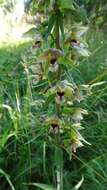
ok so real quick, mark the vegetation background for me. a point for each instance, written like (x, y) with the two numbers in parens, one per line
(25, 156)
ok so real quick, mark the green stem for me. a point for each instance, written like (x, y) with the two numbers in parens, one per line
(59, 168)
(58, 151)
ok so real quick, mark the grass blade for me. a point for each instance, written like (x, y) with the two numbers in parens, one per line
(7, 178)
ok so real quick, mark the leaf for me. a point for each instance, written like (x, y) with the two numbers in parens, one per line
(9, 110)
(40, 5)
(83, 15)
(77, 16)
(7, 178)
(44, 157)
(61, 23)
(67, 110)
(78, 184)
(66, 4)
(42, 186)
(50, 24)
(98, 83)
(49, 100)
(30, 33)
(66, 61)
(69, 151)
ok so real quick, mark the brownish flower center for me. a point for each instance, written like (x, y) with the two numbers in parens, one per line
(53, 61)
(61, 94)
(74, 41)
(54, 126)
(37, 44)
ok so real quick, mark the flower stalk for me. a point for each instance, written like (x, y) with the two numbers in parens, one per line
(58, 151)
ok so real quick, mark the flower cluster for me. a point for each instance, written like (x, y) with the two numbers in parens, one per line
(64, 97)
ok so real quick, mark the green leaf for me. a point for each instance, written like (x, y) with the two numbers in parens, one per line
(83, 15)
(30, 33)
(67, 110)
(98, 84)
(40, 5)
(50, 24)
(7, 178)
(49, 100)
(65, 60)
(66, 4)
(79, 15)
(41, 185)
(61, 23)
(78, 184)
